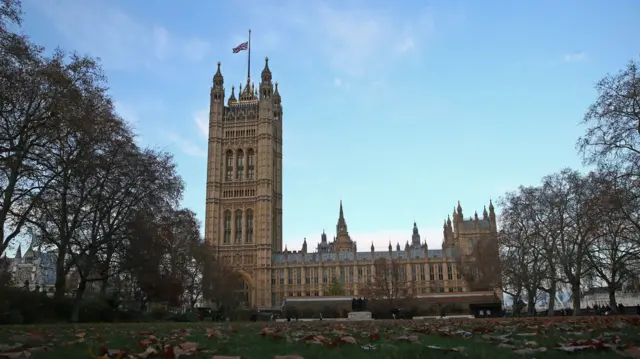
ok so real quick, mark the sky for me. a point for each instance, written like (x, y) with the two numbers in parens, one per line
(399, 109)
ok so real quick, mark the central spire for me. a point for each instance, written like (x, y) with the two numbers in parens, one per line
(342, 224)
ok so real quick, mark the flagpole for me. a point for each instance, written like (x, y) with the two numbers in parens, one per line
(249, 59)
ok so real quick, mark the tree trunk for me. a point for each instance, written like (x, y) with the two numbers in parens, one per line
(575, 294)
(61, 276)
(552, 299)
(77, 301)
(531, 302)
(612, 299)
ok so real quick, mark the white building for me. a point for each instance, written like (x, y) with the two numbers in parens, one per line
(600, 296)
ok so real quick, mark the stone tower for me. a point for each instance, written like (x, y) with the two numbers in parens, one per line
(243, 221)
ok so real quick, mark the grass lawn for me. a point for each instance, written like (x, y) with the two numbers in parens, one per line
(584, 337)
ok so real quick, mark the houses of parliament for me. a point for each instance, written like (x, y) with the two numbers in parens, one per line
(243, 222)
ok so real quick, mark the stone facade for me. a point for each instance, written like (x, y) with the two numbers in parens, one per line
(35, 269)
(243, 221)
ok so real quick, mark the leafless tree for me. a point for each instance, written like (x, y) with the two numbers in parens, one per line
(33, 92)
(220, 281)
(613, 120)
(389, 283)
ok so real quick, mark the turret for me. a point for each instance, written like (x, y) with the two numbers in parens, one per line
(232, 99)
(398, 246)
(390, 247)
(304, 246)
(415, 237)
(217, 94)
(372, 248)
(492, 216)
(266, 87)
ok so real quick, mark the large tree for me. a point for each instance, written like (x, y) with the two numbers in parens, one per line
(33, 92)
(613, 122)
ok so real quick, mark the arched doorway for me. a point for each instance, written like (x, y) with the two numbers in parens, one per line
(243, 293)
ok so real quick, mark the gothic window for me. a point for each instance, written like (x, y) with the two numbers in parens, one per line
(431, 272)
(440, 274)
(249, 234)
(229, 175)
(251, 163)
(238, 226)
(227, 227)
(449, 271)
(239, 164)
(422, 273)
(289, 277)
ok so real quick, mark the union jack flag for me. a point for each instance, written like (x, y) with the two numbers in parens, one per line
(243, 46)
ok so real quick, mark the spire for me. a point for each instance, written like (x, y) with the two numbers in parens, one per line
(372, 247)
(218, 80)
(304, 246)
(266, 72)
(232, 98)
(323, 238)
(390, 247)
(415, 237)
(490, 206)
(19, 251)
(398, 246)
(476, 216)
(459, 209)
(485, 215)
(448, 221)
(341, 227)
(276, 94)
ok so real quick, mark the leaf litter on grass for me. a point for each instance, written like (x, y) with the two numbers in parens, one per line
(519, 336)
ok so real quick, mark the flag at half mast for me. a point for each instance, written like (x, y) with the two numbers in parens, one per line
(243, 46)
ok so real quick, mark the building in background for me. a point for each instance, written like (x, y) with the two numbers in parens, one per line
(243, 222)
(35, 270)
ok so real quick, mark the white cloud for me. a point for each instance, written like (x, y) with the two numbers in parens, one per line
(101, 29)
(201, 119)
(186, 146)
(337, 82)
(380, 239)
(575, 57)
(356, 41)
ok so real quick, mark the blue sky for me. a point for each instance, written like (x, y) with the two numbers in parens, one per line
(400, 109)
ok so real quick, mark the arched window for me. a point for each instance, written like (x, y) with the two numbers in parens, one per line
(227, 227)
(229, 175)
(239, 164)
(249, 234)
(238, 226)
(251, 163)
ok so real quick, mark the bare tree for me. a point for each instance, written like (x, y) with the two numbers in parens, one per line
(130, 181)
(220, 282)
(572, 201)
(481, 269)
(389, 283)
(87, 127)
(613, 120)
(615, 255)
(32, 89)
